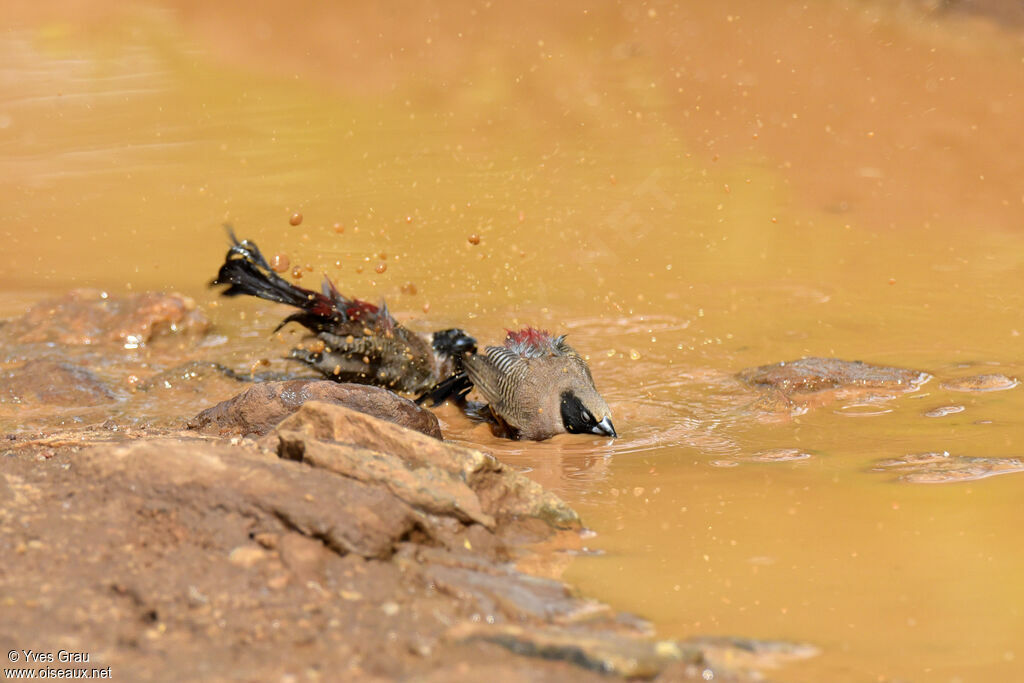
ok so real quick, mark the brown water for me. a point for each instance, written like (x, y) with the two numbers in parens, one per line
(686, 191)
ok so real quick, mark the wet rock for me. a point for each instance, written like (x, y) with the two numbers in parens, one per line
(431, 489)
(194, 375)
(52, 383)
(499, 591)
(749, 654)
(262, 406)
(943, 468)
(606, 652)
(429, 471)
(943, 411)
(980, 383)
(86, 316)
(815, 374)
(776, 402)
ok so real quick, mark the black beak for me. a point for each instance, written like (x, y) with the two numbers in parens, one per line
(605, 428)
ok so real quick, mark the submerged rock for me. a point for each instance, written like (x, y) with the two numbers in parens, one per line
(52, 383)
(943, 411)
(262, 406)
(87, 316)
(816, 374)
(943, 468)
(980, 383)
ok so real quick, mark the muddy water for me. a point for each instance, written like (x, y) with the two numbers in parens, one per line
(684, 191)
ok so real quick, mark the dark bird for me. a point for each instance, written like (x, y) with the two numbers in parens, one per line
(536, 386)
(350, 340)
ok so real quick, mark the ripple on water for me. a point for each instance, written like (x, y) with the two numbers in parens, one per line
(979, 383)
(943, 468)
(863, 409)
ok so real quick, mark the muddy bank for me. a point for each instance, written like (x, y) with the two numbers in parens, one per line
(337, 545)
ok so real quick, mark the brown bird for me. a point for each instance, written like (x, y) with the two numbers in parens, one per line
(536, 385)
(350, 340)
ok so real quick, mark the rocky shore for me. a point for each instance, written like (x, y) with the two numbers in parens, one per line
(299, 530)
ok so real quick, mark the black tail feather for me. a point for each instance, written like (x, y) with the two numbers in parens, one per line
(246, 272)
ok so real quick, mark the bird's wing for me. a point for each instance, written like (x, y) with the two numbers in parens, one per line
(496, 374)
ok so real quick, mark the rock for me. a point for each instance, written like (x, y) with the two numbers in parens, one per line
(500, 491)
(980, 383)
(607, 652)
(431, 489)
(216, 479)
(499, 591)
(749, 654)
(247, 555)
(260, 407)
(194, 375)
(304, 556)
(86, 316)
(815, 374)
(943, 411)
(943, 468)
(52, 383)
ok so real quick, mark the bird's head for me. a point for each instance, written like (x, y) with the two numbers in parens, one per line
(585, 412)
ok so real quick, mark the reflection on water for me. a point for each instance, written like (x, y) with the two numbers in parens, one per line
(686, 190)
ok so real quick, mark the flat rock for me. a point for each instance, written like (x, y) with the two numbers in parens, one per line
(434, 490)
(53, 383)
(424, 468)
(816, 374)
(262, 406)
(213, 478)
(88, 317)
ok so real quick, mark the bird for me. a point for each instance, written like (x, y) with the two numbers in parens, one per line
(535, 385)
(350, 340)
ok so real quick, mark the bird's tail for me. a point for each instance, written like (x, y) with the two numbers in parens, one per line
(246, 271)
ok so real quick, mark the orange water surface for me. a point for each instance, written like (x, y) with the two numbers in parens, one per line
(685, 189)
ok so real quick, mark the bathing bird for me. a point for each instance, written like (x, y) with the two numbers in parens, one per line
(350, 340)
(535, 385)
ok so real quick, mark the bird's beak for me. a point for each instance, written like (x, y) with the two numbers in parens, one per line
(605, 428)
